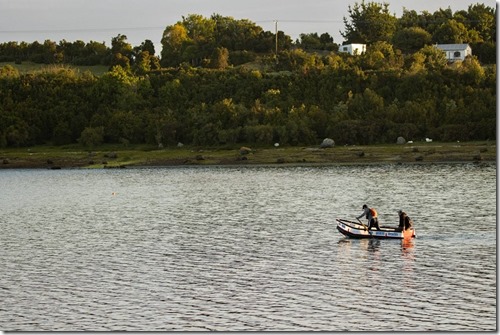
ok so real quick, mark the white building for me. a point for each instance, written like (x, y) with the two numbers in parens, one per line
(455, 52)
(353, 49)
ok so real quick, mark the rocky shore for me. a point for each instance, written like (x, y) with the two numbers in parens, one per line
(122, 157)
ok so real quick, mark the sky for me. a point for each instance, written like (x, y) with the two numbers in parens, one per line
(101, 20)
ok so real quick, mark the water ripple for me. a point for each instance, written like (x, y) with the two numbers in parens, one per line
(237, 249)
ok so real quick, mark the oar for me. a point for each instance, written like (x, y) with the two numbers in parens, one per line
(361, 223)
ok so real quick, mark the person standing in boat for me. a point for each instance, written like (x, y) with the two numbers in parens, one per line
(372, 216)
(404, 220)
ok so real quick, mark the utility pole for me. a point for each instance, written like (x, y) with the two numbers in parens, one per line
(276, 36)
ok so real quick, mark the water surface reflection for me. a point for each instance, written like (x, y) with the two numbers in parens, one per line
(234, 249)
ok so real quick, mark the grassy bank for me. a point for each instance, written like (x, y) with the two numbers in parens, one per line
(119, 156)
(30, 67)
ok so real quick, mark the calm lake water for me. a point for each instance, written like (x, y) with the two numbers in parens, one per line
(246, 248)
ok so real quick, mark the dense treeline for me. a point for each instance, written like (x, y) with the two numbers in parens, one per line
(205, 107)
(78, 52)
(220, 41)
(195, 95)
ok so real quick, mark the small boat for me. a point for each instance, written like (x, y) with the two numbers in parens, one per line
(358, 230)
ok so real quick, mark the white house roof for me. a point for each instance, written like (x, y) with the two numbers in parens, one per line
(452, 47)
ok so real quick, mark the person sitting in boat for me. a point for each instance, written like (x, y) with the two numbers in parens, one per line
(404, 221)
(372, 216)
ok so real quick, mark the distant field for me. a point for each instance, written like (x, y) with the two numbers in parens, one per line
(27, 67)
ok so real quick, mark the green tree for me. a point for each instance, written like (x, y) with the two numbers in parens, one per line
(284, 41)
(199, 29)
(366, 105)
(120, 60)
(148, 46)
(258, 133)
(312, 41)
(201, 32)
(17, 134)
(62, 133)
(485, 52)
(368, 23)
(161, 126)
(431, 58)
(326, 40)
(8, 71)
(125, 126)
(410, 18)
(481, 19)
(473, 72)
(381, 56)
(71, 51)
(297, 60)
(175, 39)
(451, 32)
(142, 63)
(92, 137)
(120, 45)
(220, 59)
(121, 52)
(309, 41)
(236, 34)
(438, 18)
(95, 53)
(410, 40)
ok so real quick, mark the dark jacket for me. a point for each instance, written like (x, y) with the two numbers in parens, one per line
(404, 220)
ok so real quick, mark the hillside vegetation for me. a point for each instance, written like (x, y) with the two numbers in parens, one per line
(220, 82)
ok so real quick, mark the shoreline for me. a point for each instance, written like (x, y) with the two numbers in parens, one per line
(46, 157)
(249, 166)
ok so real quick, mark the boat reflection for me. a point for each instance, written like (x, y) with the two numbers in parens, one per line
(407, 245)
(373, 245)
(369, 244)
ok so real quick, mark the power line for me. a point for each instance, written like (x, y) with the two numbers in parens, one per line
(76, 30)
(31, 31)
(365, 21)
(301, 21)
